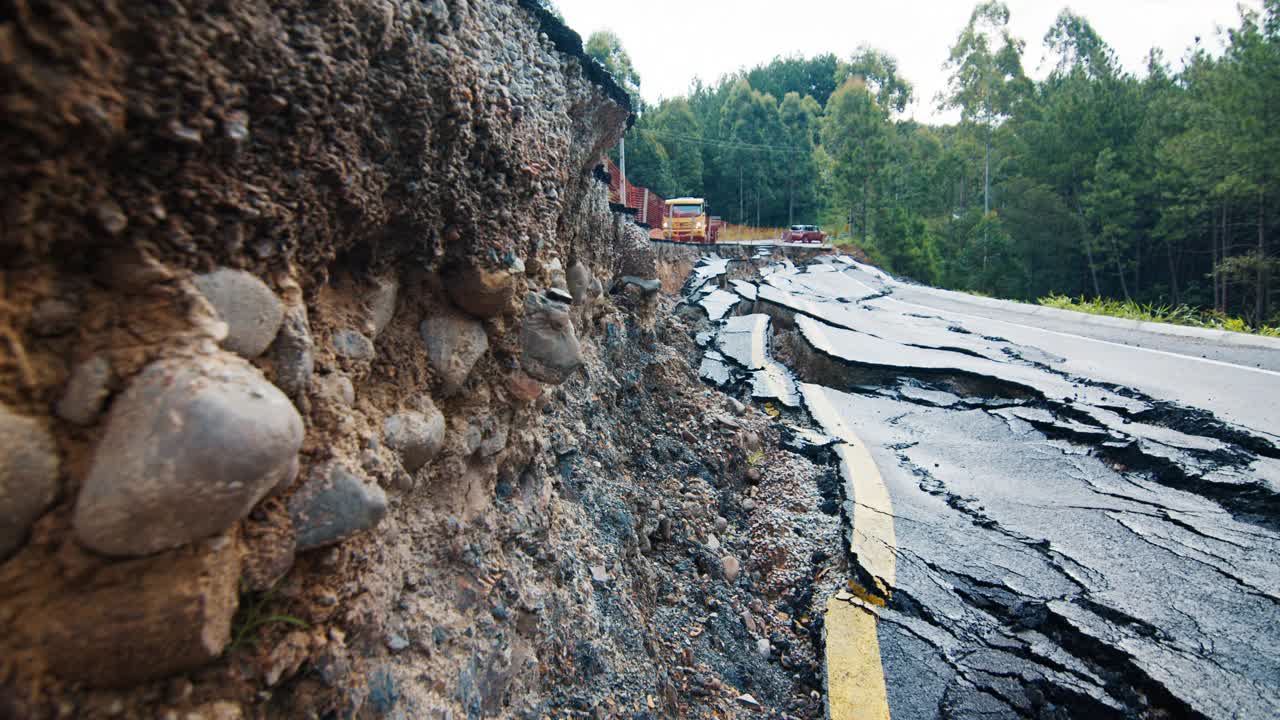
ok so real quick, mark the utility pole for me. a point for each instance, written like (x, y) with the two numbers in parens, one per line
(742, 210)
(622, 167)
(791, 199)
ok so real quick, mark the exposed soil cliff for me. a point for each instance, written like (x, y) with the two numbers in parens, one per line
(322, 395)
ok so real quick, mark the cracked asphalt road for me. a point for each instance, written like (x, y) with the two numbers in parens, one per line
(1084, 525)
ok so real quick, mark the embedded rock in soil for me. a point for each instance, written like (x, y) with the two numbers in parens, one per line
(481, 292)
(551, 351)
(523, 387)
(337, 388)
(189, 449)
(52, 317)
(251, 310)
(293, 353)
(417, 436)
(333, 505)
(86, 391)
(454, 343)
(579, 280)
(141, 619)
(555, 272)
(28, 477)
(646, 287)
(352, 345)
(731, 567)
(381, 303)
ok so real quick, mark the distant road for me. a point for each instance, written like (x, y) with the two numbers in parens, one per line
(1223, 372)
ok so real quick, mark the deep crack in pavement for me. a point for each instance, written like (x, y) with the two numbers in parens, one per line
(1077, 528)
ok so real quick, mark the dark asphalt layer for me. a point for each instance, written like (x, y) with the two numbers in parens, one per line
(1083, 529)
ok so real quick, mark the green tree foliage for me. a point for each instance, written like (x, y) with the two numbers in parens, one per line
(1158, 186)
(648, 162)
(1110, 209)
(986, 76)
(907, 246)
(799, 117)
(754, 140)
(816, 78)
(856, 134)
(878, 71)
(674, 126)
(605, 47)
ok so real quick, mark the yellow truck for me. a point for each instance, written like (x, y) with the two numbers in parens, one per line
(688, 220)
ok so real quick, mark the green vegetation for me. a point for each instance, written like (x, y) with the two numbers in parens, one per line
(1149, 312)
(254, 614)
(1156, 188)
(605, 48)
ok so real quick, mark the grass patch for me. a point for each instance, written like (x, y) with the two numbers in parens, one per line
(254, 614)
(1150, 312)
(740, 233)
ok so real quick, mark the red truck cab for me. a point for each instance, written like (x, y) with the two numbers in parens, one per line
(803, 234)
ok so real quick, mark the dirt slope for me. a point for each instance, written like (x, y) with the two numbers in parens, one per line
(319, 398)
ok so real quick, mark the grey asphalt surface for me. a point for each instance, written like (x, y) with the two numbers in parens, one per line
(1087, 519)
(1265, 354)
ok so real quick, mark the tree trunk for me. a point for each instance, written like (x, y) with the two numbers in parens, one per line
(791, 199)
(742, 208)
(1213, 260)
(1137, 264)
(986, 179)
(1173, 274)
(1260, 306)
(757, 200)
(866, 187)
(1124, 284)
(1223, 236)
(1088, 250)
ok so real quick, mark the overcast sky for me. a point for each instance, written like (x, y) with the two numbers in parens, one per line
(672, 41)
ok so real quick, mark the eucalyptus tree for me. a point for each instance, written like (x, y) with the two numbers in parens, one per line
(800, 123)
(855, 135)
(986, 76)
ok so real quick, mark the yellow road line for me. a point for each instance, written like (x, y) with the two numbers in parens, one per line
(872, 539)
(855, 678)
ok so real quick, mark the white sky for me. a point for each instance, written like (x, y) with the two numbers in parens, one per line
(670, 42)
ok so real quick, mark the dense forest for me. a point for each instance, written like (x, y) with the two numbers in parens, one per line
(1157, 186)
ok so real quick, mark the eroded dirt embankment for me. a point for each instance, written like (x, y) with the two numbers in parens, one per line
(320, 395)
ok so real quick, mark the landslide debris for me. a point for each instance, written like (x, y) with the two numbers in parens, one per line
(330, 386)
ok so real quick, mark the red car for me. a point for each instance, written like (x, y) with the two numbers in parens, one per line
(804, 234)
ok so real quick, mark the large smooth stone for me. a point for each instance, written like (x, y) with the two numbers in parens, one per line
(416, 436)
(550, 347)
(579, 281)
(28, 477)
(454, 343)
(190, 447)
(250, 309)
(380, 303)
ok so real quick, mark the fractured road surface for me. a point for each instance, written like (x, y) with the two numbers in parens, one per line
(1068, 520)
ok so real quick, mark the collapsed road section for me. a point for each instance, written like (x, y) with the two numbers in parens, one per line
(1058, 536)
